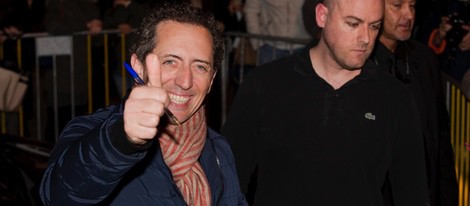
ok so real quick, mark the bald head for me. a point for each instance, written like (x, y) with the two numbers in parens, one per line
(331, 4)
(364, 10)
(350, 28)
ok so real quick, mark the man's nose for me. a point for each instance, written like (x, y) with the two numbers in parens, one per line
(364, 34)
(184, 77)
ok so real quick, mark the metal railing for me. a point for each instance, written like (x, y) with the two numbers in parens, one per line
(459, 111)
(57, 47)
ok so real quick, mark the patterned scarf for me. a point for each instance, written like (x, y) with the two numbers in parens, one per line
(181, 157)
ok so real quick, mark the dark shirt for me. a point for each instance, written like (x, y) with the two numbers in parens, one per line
(314, 145)
(64, 17)
(417, 66)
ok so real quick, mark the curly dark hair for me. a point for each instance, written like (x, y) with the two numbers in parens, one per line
(182, 12)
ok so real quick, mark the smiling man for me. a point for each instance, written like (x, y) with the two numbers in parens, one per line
(417, 67)
(131, 154)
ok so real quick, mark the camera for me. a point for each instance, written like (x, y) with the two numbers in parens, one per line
(455, 35)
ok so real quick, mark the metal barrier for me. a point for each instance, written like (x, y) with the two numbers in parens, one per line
(238, 60)
(459, 109)
(57, 47)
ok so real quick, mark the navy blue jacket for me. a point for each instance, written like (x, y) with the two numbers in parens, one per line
(87, 168)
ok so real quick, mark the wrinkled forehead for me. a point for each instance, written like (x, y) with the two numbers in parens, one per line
(369, 10)
(400, 1)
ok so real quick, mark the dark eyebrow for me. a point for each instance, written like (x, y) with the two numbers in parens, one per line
(196, 60)
(173, 56)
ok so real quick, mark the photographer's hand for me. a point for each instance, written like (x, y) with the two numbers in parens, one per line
(464, 45)
(439, 35)
(444, 27)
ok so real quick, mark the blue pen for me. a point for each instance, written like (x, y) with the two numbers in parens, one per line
(139, 81)
(134, 75)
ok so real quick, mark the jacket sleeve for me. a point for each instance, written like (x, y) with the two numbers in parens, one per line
(84, 166)
(241, 128)
(408, 171)
(447, 188)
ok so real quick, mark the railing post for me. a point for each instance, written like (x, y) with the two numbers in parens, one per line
(51, 46)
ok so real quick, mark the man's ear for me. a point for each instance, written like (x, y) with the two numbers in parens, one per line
(321, 14)
(212, 81)
(137, 66)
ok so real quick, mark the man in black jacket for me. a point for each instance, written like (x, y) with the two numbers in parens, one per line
(327, 126)
(417, 67)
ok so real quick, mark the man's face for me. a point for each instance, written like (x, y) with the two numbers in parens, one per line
(186, 58)
(399, 18)
(350, 29)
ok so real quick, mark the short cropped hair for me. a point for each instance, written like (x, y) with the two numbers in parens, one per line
(182, 12)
